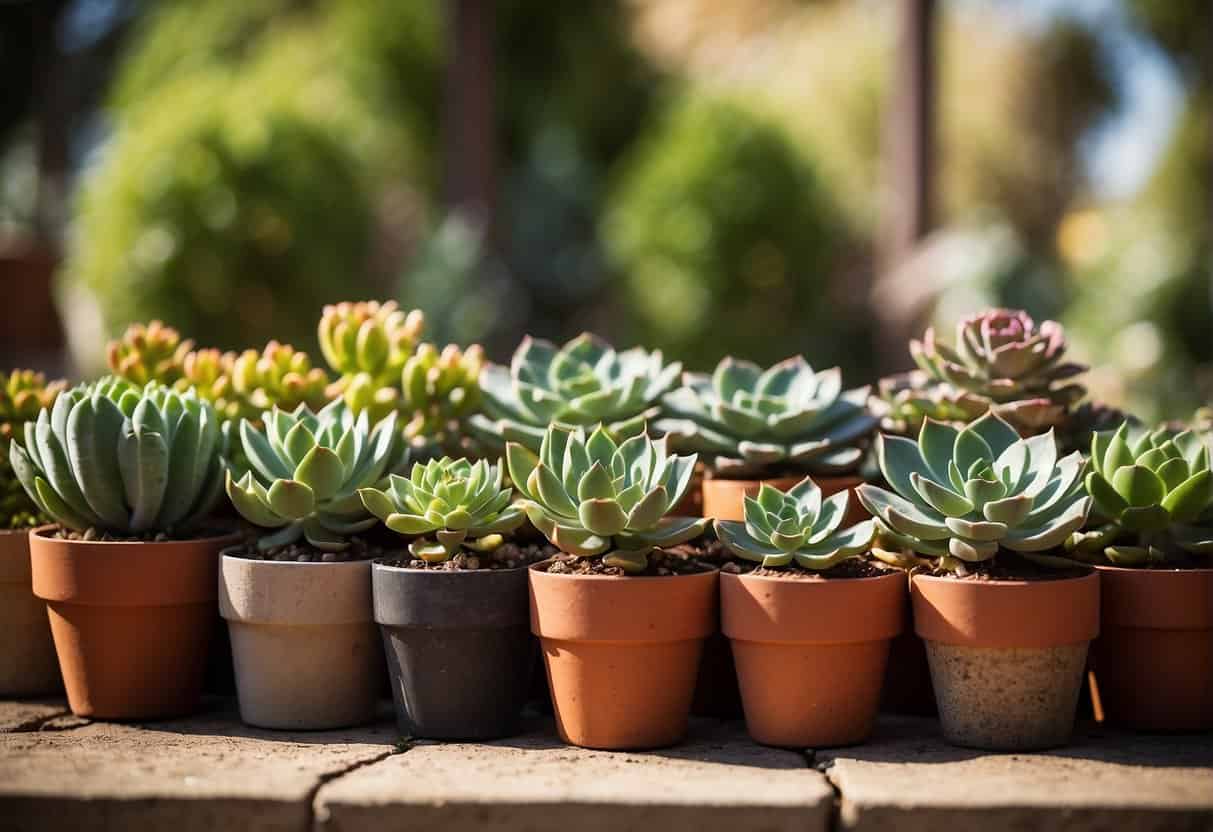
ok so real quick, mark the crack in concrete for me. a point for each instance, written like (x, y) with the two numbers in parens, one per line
(824, 764)
(45, 722)
(318, 819)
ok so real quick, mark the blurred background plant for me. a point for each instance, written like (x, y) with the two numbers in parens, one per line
(703, 176)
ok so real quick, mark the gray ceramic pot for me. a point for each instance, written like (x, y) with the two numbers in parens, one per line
(459, 649)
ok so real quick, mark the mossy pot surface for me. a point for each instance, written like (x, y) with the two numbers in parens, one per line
(622, 653)
(1007, 657)
(305, 647)
(28, 665)
(459, 647)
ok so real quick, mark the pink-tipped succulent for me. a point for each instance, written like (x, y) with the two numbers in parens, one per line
(1004, 358)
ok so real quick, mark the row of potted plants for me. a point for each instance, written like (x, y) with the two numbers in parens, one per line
(997, 528)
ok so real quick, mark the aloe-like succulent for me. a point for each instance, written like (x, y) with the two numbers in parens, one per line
(752, 421)
(149, 352)
(583, 383)
(962, 495)
(441, 390)
(23, 393)
(118, 458)
(1153, 487)
(1002, 356)
(595, 496)
(305, 472)
(797, 525)
(462, 504)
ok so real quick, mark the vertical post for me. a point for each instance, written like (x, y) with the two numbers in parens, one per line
(470, 140)
(910, 132)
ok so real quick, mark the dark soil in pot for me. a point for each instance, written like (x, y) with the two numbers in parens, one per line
(457, 636)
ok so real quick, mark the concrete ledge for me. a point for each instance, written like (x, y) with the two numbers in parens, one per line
(211, 772)
(907, 778)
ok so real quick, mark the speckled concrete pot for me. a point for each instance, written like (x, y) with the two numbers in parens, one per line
(1153, 659)
(1007, 657)
(305, 646)
(28, 665)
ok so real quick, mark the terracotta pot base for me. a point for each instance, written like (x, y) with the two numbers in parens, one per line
(621, 653)
(131, 621)
(28, 665)
(1007, 699)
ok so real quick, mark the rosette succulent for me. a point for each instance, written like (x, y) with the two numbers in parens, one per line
(305, 472)
(23, 393)
(1003, 358)
(797, 525)
(118, 458)
(149, 352)
(460, 503)
(441, 390)
(905, 400)
(752, 421)
(962, 495)
(1154, 488)
(595, 496)
(583, 383)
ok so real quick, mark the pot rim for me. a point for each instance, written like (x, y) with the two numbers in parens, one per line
(1017, 583)
(630, 578)
(378, 564)
(893, 573)
(43, 532)
(1136, 570)
(224, 555)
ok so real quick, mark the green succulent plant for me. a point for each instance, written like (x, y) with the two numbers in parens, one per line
(367, 344)
(462, 504)
(305, 472)
(118, 458)
(1154, 487)
(753, 421)
(583, 383)
(441, 390)
(149, 352)
(595, 496)
(797, 525)
(962, 495)
(1002, 358)
(23, 393)
(905, 400)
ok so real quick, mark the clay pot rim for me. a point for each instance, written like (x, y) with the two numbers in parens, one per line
(224, 555)
(1136, 570)
(534, 567)
(1013, 584)
(896, 573)
(43, 532)
(710, 474)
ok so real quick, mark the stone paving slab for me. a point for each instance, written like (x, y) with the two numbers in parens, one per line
(29, 714)
(718, 780)
(907, 778)
(206, 773)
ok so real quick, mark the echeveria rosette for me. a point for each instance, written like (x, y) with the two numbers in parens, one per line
(751, 421)
(583, 383)
(905, 400)
(797, 525)
(305, 470)
(1002, 356)
(461, 503)
(965, 494)
(595, 496)
(127, 460)
(1155, 488)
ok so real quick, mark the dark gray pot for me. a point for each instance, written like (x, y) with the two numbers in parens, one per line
(459, 649)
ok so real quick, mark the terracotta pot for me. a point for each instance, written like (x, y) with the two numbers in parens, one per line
(28, 665)
(724, 499)
(304, 642)
(1154, 656)
(455, 675)
(621, 653)
(131, 621)
(1007, 657)
(811, 654)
